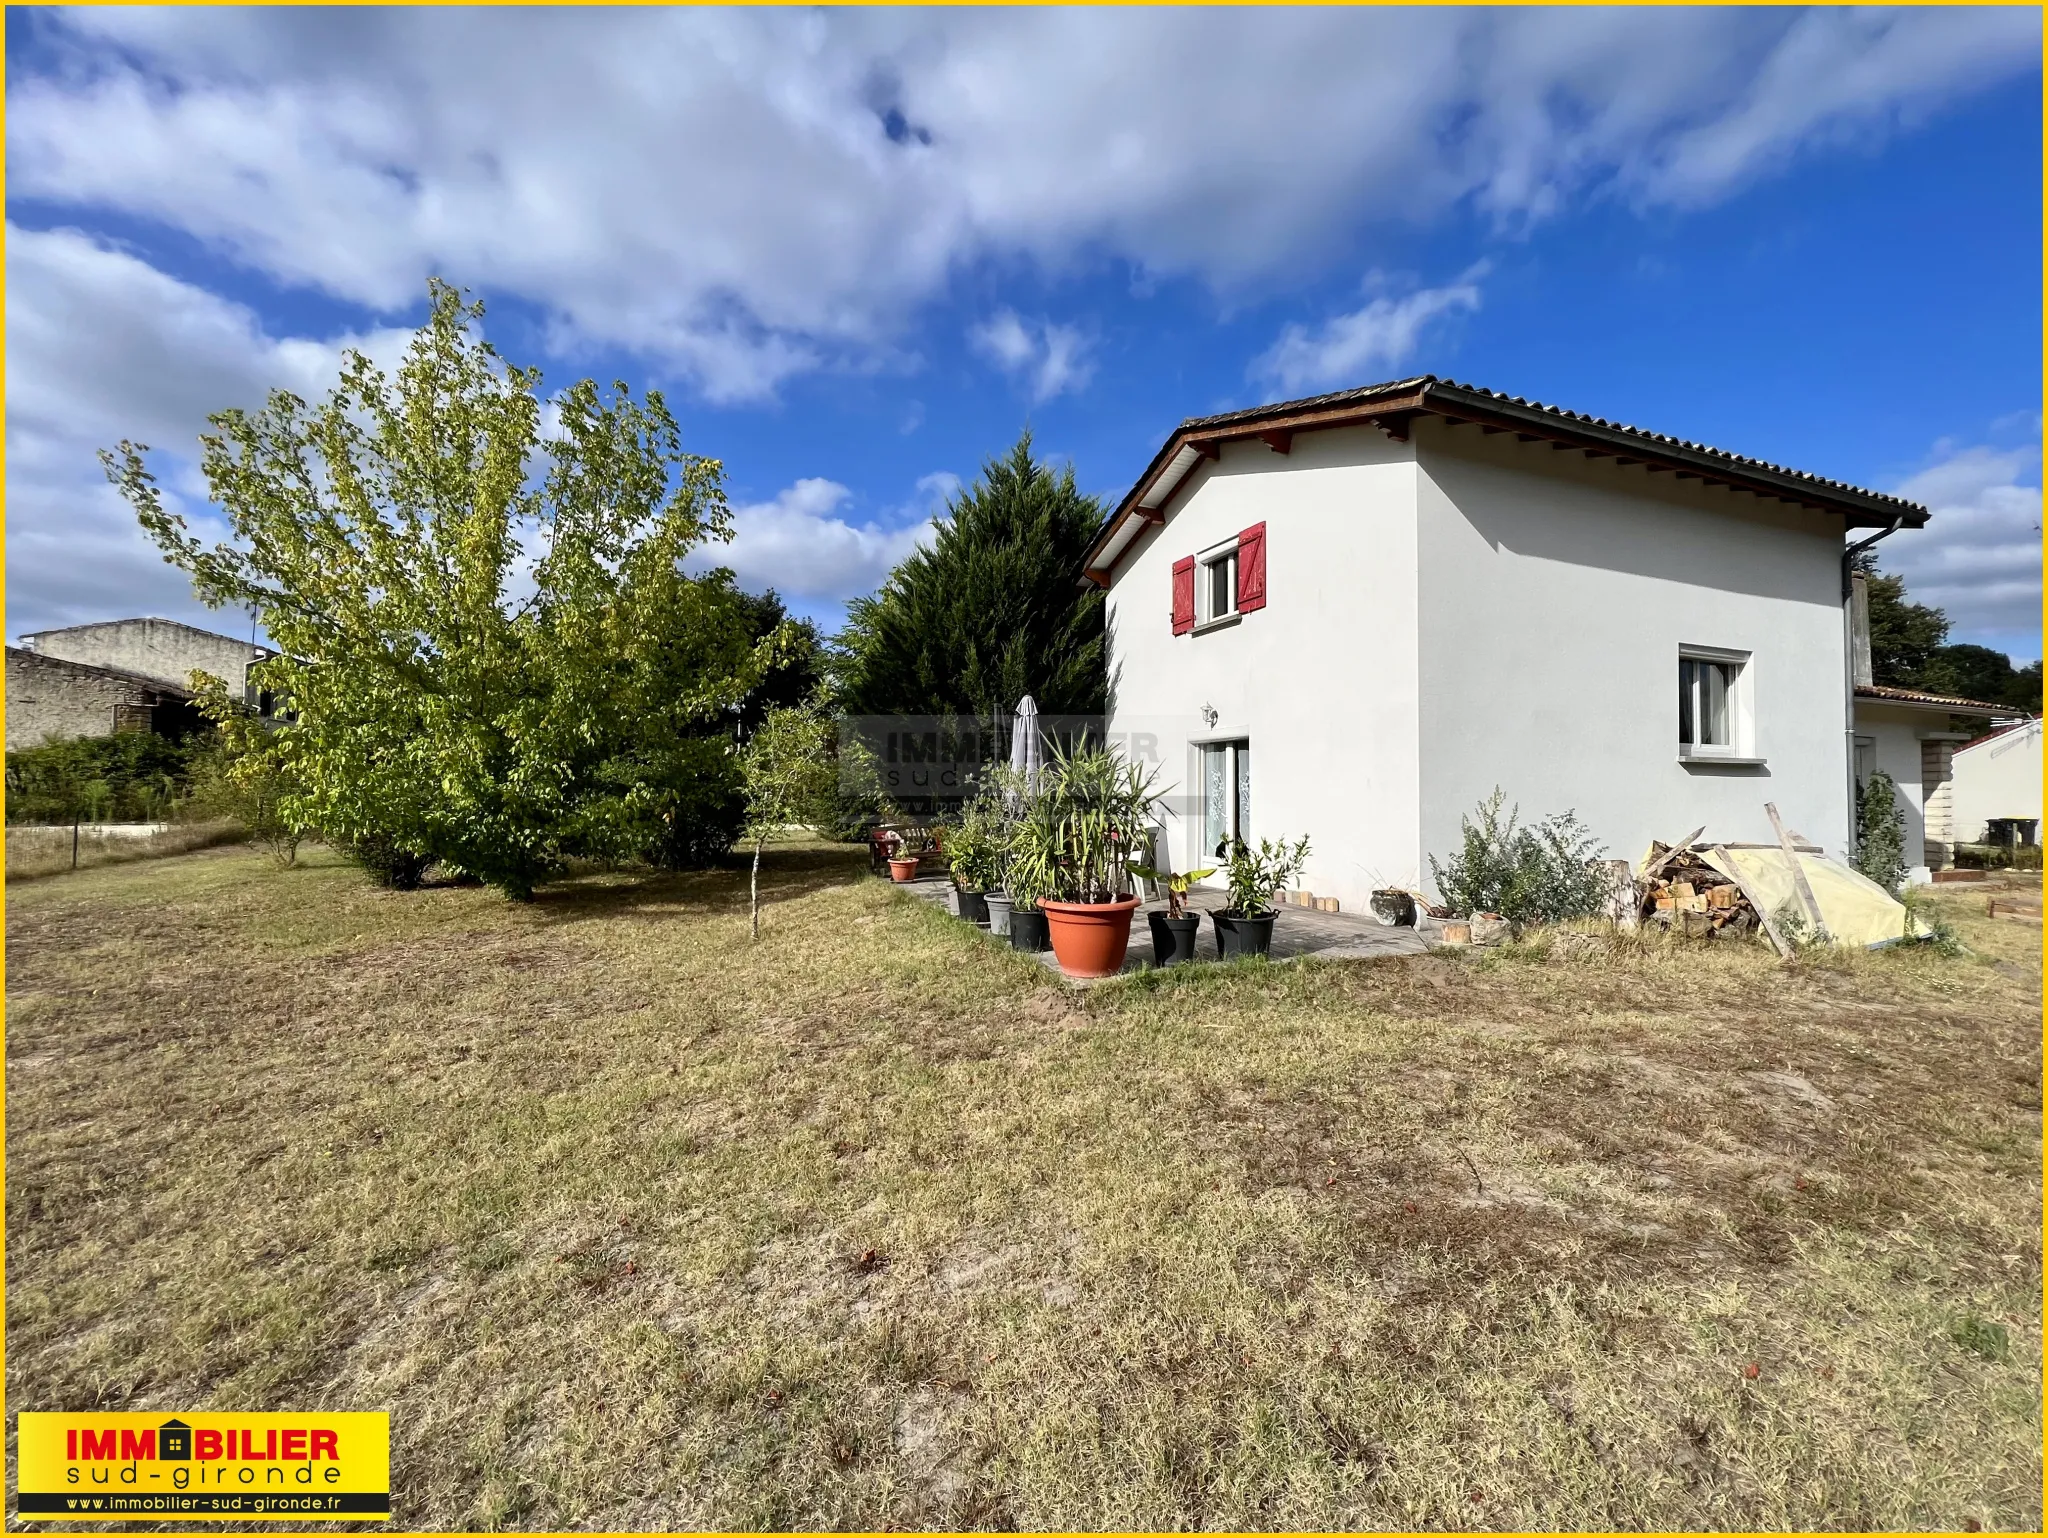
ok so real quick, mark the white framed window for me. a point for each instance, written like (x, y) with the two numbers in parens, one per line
(1716, 719)
(1216, 584)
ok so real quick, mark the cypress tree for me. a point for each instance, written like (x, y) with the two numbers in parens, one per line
(993, 609)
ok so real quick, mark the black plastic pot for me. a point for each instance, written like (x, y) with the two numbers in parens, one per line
(973, 906)
(1173, 939)
(1028, 930)
(1237, 936)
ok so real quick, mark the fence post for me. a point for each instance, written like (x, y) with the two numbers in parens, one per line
(74, 843)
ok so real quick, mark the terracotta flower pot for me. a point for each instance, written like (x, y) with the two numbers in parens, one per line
(1090, 939)
(903, 870)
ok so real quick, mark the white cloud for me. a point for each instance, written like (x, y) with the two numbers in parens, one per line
(1979, 558)
(101, 347)
(1048, 358)
(745, 196)
(1837, 76)
(799, 544)
(1361, 346)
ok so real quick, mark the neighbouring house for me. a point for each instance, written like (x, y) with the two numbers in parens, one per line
(49, 698)
(1353, 616)
(1998, 780)
(1913, 737)
(120, 675)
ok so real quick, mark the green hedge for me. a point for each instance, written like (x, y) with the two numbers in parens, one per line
(131, 777)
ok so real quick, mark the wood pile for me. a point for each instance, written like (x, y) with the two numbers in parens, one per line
(1680, 891)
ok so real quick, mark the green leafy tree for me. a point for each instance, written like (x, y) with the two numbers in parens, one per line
(990, 611)
(799, 669)
(1904, 635)
(1910, 649)
(792, 769)
(2023, 690)
(493, 653)
(1970, 672)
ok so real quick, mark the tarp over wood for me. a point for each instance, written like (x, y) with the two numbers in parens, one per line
(1854, 909)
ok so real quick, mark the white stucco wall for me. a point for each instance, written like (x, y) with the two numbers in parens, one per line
(2000, 777)
(1556, 593)
(1894, 736)
(1465, 611)
(1322, 681)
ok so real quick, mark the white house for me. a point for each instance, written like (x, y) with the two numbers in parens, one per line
(1353, 616)
(1998, 777)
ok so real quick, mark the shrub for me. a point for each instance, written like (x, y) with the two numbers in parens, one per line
(388, 864)
(1930, 925)
(975, 844)
(1880, 832)
(1257, 877)
(1535, 875)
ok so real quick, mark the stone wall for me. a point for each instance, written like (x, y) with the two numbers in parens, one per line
(48, 698)
(155, 648)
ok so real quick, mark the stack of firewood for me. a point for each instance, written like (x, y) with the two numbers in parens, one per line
(1680, 891)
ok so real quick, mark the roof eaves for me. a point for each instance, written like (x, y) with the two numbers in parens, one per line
(1890, 693)
(1426, 394)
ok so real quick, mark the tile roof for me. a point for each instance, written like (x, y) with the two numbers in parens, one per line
(1431, 384)
(1394, 404)
(1921, 697)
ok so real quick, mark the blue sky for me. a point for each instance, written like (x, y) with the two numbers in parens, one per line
(861, 250)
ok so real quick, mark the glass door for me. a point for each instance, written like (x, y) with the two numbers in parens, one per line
(1226, 797)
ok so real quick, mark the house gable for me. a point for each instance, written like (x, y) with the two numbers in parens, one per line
(1392, 409)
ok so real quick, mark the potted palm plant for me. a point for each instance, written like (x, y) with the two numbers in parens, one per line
(1031, 870)
(1174, 931)
(1102, 808)
(1244, 927)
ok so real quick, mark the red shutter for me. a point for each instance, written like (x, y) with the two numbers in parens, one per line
(1184, 595)
(1251, 568)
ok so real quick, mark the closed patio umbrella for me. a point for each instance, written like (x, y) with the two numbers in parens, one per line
(1027, 753)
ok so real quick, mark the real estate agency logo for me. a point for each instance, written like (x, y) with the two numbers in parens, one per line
(176, 1442)
(205, 1465)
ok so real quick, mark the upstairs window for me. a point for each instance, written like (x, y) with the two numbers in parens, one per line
(1713, 704)
(1217, 583)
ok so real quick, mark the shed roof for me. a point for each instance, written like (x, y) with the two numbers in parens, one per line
(1392, 406)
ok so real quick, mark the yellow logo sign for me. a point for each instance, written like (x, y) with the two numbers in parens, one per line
(93, 1467)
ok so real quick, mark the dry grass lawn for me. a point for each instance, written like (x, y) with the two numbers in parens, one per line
(34, 851)
(631, 1225)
